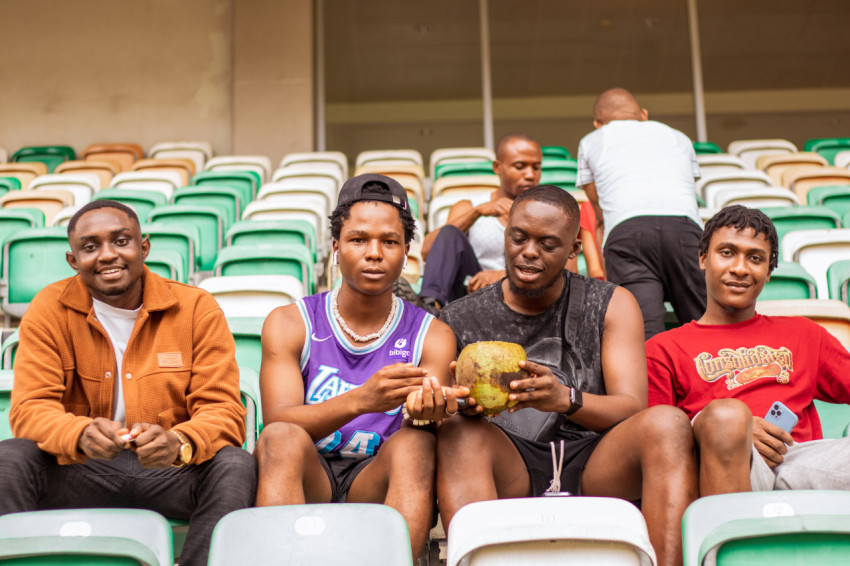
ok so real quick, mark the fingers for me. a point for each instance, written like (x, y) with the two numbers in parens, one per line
(534, 368)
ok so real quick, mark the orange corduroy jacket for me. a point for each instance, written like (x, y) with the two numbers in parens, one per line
(179, 369)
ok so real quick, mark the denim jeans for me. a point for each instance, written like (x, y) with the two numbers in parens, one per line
(31, 479)
(451, 261)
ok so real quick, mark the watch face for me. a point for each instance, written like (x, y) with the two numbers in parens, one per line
(185, 453)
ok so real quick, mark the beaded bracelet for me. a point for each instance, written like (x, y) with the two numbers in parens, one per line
(414, 422)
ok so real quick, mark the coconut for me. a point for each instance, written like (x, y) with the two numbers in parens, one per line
(487, 369)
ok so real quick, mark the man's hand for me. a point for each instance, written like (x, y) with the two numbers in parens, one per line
(499, 207)
(770, 441)
(433, 402)
(470, 408)
(102, 439)
(484, 278)
(541, 390)
(389, 387)
(155, 447)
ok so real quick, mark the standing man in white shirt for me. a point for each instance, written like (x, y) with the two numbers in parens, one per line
(639, 175)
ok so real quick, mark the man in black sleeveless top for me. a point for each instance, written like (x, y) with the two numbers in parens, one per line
(587, 382)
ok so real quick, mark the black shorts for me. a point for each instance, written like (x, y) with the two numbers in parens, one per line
(538, 460)
(341, 473)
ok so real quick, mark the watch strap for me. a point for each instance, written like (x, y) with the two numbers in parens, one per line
(575, 401)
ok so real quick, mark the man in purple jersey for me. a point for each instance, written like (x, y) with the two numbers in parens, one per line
(353, 380)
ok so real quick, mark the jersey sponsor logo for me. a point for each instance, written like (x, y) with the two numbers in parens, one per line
(745, 365)
(399, 350)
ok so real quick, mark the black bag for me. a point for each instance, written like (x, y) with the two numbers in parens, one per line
(540, 426)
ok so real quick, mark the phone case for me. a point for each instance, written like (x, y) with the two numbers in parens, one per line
(781, 416)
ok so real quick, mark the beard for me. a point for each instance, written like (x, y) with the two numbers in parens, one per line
(535, 293)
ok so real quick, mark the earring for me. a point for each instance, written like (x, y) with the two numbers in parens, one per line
(336, 258)
(404, 265)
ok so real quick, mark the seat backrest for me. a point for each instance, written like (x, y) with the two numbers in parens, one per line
(122, 155)
(816, 250)
(362, 533)
(14, 219)
(710, 522)
(226, 199)
(438, 209)
(249, 391)
(104, 170)
(246, 182)
(833, 315)
(388, 155)
(802, 180)
(789, 281)
(197, 151)
(81, 185)
(750, 150)
(744, 179)
(32, 259)
(786, 219)
(465, 185)
(296, 207)
(549, 530)
(23, 172)
(447, 155)
(838, 278)
(284, 189)
(336, 157)
(50, 155)
(836, 198)
(48, 202)
(247, 332)
(260, 164)
(776, 165)
(165, 182)
(827, 147)
(706, 147)
(842, 159)
(209, 220)
(88, 536)
(253, 295)
(184, 167)
(181, 239)
(718, 163)
(834, 418)
(322, 170)
(295, 260)
(168, 264)
(272, 232)
(140, 200)
(7, 378)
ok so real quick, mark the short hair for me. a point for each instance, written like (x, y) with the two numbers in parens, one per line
(550, 194)
(615, 104)
(343, 212)
(740, 218)
(102, 203)
(502, 144)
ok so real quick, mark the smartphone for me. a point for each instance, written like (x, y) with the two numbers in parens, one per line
(781, 416)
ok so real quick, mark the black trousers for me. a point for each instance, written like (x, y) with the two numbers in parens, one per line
(656, 258)
(450, 261)
(31, 479)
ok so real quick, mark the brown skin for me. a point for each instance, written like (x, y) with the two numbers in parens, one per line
(371, 251)
(518, 167)
(613, 104)
(108, 251)
(649, 454)
(736, 269)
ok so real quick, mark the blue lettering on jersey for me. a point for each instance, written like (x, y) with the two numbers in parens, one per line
(326, 386)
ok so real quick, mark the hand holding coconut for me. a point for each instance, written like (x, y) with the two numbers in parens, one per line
(541, 390)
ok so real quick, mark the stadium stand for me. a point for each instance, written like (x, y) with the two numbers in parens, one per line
(789, 281)
(86, 536)
(103, 169)
(468, 186)
(776, 165)
(183, 167)
(14, 219)
(227, 199)
(801, 181)
(739, 180)
(283, 190)
(165, 182)
(167, 263)
(787, 219)
(322, 170)
(50, 155)
(336, 157)
(555, 151)
(30, 263)
(209, 220)
(836, 198)
(140, 200)
(48, 202)
(23, 172)
(294, 260)
(842, 159)
(259, 164)
(81, 185)
(778, 527)
(365, 534)
(198, 151)
(711, 164)
(827, 147)
(253, 295)
(246, 182)
(750, 150)
(833, 315)
(549, 530)
(9, 184)
(386, 156)
(706, 148)
(273, 232)
(122, 155)
(451, 155)
(182, 240)
(816, 250)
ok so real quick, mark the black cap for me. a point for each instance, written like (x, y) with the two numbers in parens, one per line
(352, 191)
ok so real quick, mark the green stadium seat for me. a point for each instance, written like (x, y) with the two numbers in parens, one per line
(355, 534)
(768, 527)
(140, 200)
(563, 179)
(788, 218)
(559, 166)
(827, 147)
(226, 199)
(249, 390)
(107, 537)
(789, 281)
(32, 259)
(247, 332)
(209, 220)
(292, 260)
(179, 530)
(8, 350)
(838, 277)
(246, 182)
(458, 169)
(7, 377)
(706, 147)
(834, 419)
(9, 184)
(556, 151)
(458, 155)
(272, 232)
(14, 219)
(183, 240)
(50, 155)
(836, 198)
(168, 264)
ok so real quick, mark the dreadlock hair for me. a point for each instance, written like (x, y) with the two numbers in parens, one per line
(740, 218)
(343, 212)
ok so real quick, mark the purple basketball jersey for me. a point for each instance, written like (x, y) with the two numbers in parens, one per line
(331, 366)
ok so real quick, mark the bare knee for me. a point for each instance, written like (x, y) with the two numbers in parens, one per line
(724, 426)
(457, 434)
(409, 449)
(666, 430)
(282, 442)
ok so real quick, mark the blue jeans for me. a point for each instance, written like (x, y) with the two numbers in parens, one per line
(31, 479)
(450, 261)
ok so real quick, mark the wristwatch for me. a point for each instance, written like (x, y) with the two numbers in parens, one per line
(184, 453)
(575, 402)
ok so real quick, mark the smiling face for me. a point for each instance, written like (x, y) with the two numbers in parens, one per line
(371, 247)
(539, 238)
(108, 251)
(736, 267)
